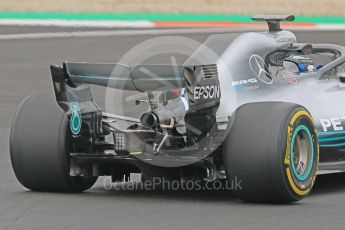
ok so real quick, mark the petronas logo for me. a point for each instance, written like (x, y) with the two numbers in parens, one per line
(76, 120)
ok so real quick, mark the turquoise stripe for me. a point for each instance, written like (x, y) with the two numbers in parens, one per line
(158, 17)
(330, 133)
(307, 174)
(330, 139)
(333, 145)
(129, 17)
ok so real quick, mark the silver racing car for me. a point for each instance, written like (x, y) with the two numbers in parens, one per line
(260, 108)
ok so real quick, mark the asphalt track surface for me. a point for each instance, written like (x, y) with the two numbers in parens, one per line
(24, 70)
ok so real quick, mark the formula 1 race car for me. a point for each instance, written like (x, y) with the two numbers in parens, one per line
(265, 112)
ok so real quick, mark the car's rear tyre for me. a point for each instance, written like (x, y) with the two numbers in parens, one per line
(39, 147)
(264, 150)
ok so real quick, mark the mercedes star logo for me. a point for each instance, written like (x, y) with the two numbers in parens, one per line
(259, 68)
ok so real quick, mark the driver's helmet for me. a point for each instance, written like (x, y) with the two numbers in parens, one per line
(304, 64)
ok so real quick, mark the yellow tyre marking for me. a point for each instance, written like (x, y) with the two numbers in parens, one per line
(313, 180)
(299, 114)
(294, 187)
(287, 154)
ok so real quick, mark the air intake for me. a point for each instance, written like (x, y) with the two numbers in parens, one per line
(209, 71)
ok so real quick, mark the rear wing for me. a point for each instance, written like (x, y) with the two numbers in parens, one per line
(136, 78)
(71, 82)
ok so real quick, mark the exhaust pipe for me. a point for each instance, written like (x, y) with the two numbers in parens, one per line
(149, 120)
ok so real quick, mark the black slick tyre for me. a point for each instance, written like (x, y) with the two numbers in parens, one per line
(272, 149)
(39, 147)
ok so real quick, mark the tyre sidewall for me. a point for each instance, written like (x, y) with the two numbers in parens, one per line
(297, 188)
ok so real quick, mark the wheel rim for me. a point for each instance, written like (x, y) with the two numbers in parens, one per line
(302, 153)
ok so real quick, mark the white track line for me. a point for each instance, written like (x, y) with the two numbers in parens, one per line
(107, 33)
(340, 27)
(114, 32)
(78, 23)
